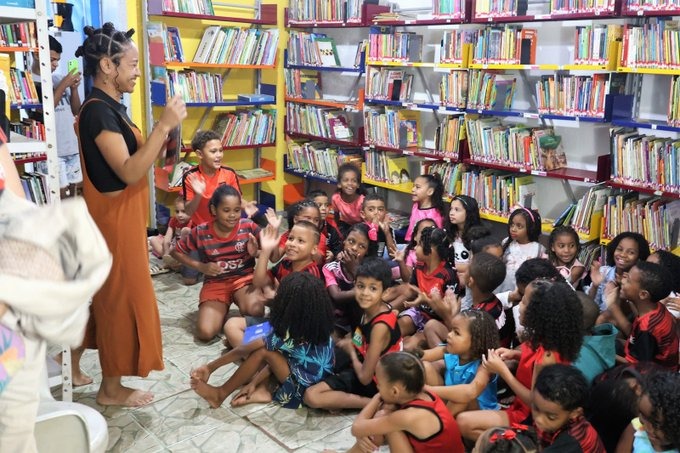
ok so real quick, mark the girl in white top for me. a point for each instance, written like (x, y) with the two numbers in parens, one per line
(524, 229)
(463, 216)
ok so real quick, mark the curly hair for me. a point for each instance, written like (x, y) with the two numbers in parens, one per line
(223, 192)
(654, 279)
(483, 332)
(372, 196)
(434, 182)
(302, 309)
(375, 268)
(535, 268)
(663, 391)
(564, 385)
(435, 239)
(404, 368)
(643, 246)
(312, 194)
(671, 263)
(487, 270)
(100, 43)
(557, 232)
(554, 319)
(471, 219)
(348, 166)
(201, 138)
(297, 208)
(516, 439)
(363, 229)
(532, 219)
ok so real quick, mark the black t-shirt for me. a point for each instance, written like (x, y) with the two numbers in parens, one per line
(104, 114)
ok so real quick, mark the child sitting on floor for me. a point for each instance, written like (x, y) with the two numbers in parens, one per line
(411, 418)
(455, 371)
(296, 353)
(552, 316)
(658, 427)
(357, 354)
(430, 282)
(178, 227)
(225, 247)
(327, 225)
(652, 336)
(557, 401)
(483, 275)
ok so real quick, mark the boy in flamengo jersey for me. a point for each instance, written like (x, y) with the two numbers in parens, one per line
(652, 336)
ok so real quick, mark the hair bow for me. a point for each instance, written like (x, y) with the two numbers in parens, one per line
(372, 232)
(507, 434)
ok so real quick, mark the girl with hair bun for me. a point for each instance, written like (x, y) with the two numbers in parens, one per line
(124, 323)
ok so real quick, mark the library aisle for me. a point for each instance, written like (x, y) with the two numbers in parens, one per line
(180, 421)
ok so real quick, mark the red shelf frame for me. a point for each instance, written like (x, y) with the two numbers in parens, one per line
(572, 174)
(324, 139)
(28, 160)
(649, 190)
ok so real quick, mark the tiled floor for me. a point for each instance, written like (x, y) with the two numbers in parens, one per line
(180, 421)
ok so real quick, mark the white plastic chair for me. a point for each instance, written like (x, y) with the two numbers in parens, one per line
(64, 426)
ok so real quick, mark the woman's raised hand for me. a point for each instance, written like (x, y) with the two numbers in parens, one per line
(174, 113)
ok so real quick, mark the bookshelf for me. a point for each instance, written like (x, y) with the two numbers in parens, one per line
(217, 57)
(24, 30)
(568, 69)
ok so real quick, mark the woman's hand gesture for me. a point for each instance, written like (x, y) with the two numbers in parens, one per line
(174, 113)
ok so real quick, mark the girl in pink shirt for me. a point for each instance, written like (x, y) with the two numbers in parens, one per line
(347, 200)
(428, 202)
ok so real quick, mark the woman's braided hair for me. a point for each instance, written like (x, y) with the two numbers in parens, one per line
(100, 43)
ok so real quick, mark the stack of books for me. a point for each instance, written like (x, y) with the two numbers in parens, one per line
(449, 173)
(593, 43)
(491, 91)
(320, 159)
(581, 6)
(204, 87)
(652, 45)
(18, 35)
(454, 9)
(23, 89)
(189, 6)
(392, 128)
(453, 89)
(511, 44)
(499, 193)
(452, 44)
(312, 49)
(385, 44)
(448, 136)
(562, 94)
(324, 122)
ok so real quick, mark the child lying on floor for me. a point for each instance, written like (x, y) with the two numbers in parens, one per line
(295, 354)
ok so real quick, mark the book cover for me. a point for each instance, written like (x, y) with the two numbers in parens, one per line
(408, 126)
(327, 52)
(257, 331)
(207, 43)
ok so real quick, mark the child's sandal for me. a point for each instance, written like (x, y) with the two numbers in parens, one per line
(154, 269)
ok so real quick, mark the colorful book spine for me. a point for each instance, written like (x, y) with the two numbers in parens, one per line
(453, 89)
(572, 95)
(323, 122)
(448, 9)
(388, 45)
(195, 86)
(581, 6)
(654, 45)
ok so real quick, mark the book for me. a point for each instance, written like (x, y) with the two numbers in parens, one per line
(327, 52)
(207, 43)
(257, 331)
(253, 173)
(256, 97)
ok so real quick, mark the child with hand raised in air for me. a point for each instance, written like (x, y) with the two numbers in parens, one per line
(297, 353)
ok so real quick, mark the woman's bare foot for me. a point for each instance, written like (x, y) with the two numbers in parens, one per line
(124, 396)
(209, 393)
(259, 395)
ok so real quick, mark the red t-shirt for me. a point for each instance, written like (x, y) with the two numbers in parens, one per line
(321, 247)
(285, 267)
(177, 227)
(224, 175)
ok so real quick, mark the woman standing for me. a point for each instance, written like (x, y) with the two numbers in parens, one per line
(124, 323)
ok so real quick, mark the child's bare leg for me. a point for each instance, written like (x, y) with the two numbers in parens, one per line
(156, 243)
(435, 333)
(210, 322)
(406, 326)
(415, 341)
(260, 395)
(433, 372)
(457, 408)
(322, 396)
(234, 330)
(215, 396)
(473, 424)
(249, 301)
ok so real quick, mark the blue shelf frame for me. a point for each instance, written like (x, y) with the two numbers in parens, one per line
(309, 175)
(159, 97)
(419, 105)
(645, 124)
(360, 70)
(22, 106)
